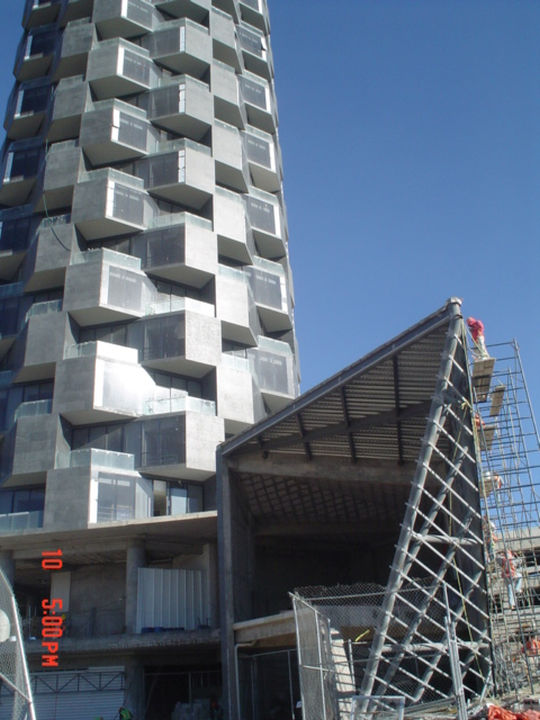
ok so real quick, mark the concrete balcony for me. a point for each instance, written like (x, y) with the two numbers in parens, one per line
(50, 252)
(184, 175)
(71, 99)
(185, 343)
(40, 12)
(231, 227)
(269, 288)
(35, 53)
(194, 9)
(41, 345)
(254, 13)
(236, 401)
(117, 68)
(98, 382)
(182, 46)
(114, 131)
(229, 6)
(103, 286)
(121, 18)
(267, 223)
(27, 106)
(235, 307)
(98, 486)
(62, 171)
(74, 10)
(108, 203)
(259, 102)
(181, 446)
(229, 157)
(223, 32)
(77, 40)
(256, 55)
(184, 251)
(264, 163)
(273, 368)
(184, 107)
(34, 445)
(228, 105)
(20, 167)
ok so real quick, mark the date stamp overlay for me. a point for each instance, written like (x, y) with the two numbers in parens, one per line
(52, 619)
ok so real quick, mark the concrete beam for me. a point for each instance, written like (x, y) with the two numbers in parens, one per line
(378, 472)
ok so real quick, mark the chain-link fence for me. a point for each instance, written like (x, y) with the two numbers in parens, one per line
(13, 668)
(336, 628)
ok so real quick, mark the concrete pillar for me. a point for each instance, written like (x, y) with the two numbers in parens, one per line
(7, 565)
(135, 558)
(134, 698)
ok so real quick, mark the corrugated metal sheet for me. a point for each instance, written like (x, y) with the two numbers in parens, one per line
(67, 695)
(176, 598)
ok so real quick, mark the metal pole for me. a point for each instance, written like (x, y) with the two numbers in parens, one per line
(453, 653)
(27, 686)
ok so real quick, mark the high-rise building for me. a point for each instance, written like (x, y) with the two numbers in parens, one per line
(146, 314)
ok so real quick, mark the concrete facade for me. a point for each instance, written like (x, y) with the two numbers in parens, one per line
(146, 315)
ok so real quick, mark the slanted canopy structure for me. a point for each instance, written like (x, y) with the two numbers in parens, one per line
(363, 492)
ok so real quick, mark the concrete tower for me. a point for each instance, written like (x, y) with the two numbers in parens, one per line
(146, 314)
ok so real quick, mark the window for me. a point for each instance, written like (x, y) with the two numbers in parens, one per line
(187, 498)
(136, 67)
(132, 131)
(103, 437)
(14, 234)
(163, 441)
(27, 500)
(116, 498)
(34, 99)
(261, 215)
(128, 204)
(254, 93)
(258, 150)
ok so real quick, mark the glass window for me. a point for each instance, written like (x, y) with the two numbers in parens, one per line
(132, 131)
(254, 93)
(23, 163)
(128, 204)
(14, 234)
(34, 99)
(42, 43)
(116, 498)
(163, 441)
(250, 41)
(261, 215)
(266, 288)
(136, 67)
(258, 150)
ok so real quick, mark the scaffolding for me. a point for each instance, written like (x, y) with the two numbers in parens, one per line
(508, 446)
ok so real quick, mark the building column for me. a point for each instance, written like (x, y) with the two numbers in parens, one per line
(7, 565)
(134, 698)
(135, 559)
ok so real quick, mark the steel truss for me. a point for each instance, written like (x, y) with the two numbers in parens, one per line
(439, 552)
(431, 639)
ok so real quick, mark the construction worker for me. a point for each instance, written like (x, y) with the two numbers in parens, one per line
(479, 349)
(532, 646)
(511, 576)
(489, 536)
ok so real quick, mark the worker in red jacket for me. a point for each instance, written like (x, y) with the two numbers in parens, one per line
(476, 328)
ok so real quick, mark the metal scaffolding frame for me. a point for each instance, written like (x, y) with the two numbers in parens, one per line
(508, 444)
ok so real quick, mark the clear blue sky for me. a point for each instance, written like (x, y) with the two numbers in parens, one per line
(410, 136)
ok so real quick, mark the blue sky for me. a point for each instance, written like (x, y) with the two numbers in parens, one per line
(410, 137)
